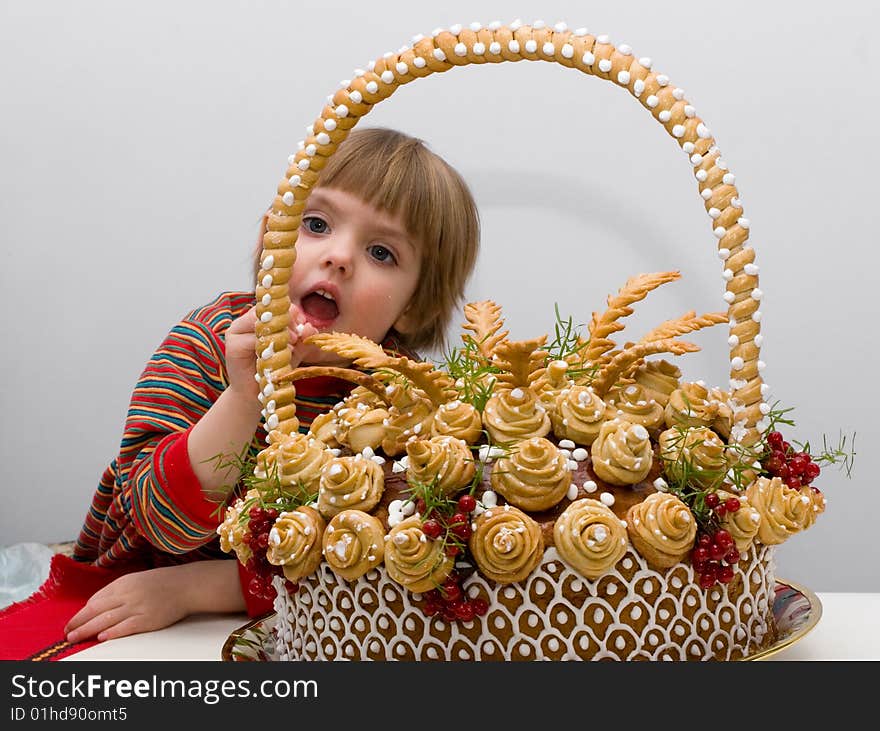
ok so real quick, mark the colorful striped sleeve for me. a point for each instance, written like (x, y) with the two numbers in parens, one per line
(152, 501)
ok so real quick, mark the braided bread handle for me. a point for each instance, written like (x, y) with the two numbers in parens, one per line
(496, 43)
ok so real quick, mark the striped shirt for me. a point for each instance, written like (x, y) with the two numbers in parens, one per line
(149, 509)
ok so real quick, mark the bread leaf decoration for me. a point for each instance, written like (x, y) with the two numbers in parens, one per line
(521, 362)
(622, 362)
(485, 322)
(364, 353)
(602, 326)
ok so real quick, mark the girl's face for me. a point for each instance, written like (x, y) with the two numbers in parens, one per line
(356, 269)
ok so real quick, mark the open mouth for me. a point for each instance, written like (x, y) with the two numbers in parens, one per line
(320, 308)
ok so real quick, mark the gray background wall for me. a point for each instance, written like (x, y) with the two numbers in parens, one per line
(141, 142)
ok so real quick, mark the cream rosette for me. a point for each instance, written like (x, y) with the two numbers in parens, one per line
(354, 543)
(723, 422)
(295, 542)
(457, 419)
(325, 428)
(662, 529)
(231, 530)
(507, 545)
(659, 378)
(412, 559)
(534, 477)
(513, 414)
(447, 460)
(743, 524)
(690, 405)
(696, 454)
(633, 403)
(366, 429)
(622, 453)
(784, 510)
(552, 382)
(590, 537)
(412, 421)
(294, 460)
(350, 483)
(578, 415)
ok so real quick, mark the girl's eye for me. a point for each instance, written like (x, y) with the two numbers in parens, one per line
(381, 254)
(315, 225)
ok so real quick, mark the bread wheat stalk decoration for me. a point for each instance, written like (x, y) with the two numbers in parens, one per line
(602, 326)
(484, 320)
(364, 353)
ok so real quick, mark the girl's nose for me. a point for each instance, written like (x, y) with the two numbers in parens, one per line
(338, 256)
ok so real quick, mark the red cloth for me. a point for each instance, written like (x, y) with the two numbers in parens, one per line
(33, 629)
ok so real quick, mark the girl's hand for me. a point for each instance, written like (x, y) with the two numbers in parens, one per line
(241, 345)
(138, 602)
(241, 355)
(299, 331)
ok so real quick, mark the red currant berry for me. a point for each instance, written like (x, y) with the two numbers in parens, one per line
(794, 482)
(732, 556)
(247, 538)
(725, 574)
(786, 449)
(712, 500)
(707, 580)
(704, 540)
(717, 551)
(723, 538)
(732, 504)
(774, 463)
(452, 550)
(256, 586)
(263, 540)
(451, 591)
(421, 506)
(467, 504)
(811, 472)
(431, 608)
(700, 555)
(481, 606)
(431, 528)
(774, 440)
(272, 513)
(721, 510)
(465, 612)
(798, 463)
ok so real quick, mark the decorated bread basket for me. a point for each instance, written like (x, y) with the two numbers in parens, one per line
(573, 499)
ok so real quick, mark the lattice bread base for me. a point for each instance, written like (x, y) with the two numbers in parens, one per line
(632, 613)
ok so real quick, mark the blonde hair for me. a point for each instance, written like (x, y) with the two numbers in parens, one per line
(397, 173)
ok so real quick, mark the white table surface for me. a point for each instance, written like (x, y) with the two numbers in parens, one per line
(847, 630)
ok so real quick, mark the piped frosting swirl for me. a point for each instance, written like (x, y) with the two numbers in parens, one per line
(446, 460)
(514, 414)
(590, 537)
(578, 415)
(412, 559)
(622, 453)
(295, 542)
(354, 543)
(506, 544)
(662, 529)
(350, 483)
(535, 476)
